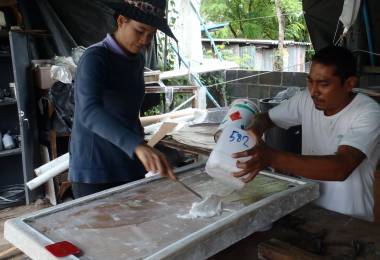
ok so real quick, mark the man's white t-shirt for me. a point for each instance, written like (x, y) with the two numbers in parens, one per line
(357, 125)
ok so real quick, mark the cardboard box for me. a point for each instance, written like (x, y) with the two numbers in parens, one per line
(41, 73)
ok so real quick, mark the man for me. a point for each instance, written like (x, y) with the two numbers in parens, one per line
(340, 136)
(107, 145)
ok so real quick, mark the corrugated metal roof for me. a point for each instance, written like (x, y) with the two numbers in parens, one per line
(256, 42)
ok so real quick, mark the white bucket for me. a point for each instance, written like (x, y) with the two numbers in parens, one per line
(240, 115)
(220, 164)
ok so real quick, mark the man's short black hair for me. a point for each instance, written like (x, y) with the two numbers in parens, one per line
(339, 57)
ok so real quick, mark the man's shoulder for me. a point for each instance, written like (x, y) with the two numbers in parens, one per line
(364, 112)
(365, 108)
(364, 102)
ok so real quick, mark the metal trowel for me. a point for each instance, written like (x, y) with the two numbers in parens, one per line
(151, 174)
(189, 189)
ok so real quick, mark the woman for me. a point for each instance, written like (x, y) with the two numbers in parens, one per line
(107, 147)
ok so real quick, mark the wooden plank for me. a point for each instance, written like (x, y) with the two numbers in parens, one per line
(176, 89)
(275, 249)
(170, 142)
(198, 70)
(11, 152)
(301, 229)
(148, 120)
(165, 128)
(8, 102)
(151, 76)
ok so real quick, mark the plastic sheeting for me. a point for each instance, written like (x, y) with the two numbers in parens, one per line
(63, 69)
(87, 21)
(322, 18)
(62, 96)
(349, 13)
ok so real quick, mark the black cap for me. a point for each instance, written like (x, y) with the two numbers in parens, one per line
(151, 12)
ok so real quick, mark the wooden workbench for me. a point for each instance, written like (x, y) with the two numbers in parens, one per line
(305, 228)
(144, 219)
(170, 142)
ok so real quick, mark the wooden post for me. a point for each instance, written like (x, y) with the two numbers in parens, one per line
(281, 36)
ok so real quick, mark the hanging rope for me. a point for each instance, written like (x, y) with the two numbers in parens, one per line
(256, 75)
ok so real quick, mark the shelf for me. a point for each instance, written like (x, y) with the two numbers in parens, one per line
(5, 153)
(4, 33)
(8, 103)
(5, 55)
(371, 69)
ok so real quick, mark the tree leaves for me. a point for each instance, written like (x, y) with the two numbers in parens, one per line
(255, 19)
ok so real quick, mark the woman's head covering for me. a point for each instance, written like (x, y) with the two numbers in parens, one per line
(151, 12)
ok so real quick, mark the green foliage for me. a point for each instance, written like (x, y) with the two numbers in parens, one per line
(178, 81)
(255, 19)
(218, 89)
(309, 54)
(155, 110)
(163, 42)
(179, 98)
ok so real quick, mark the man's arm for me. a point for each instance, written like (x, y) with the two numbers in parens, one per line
(261, 123)
(337, 167)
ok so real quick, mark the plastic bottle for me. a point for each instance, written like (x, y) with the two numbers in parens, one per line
(8, 141)
(220, 164)
(241, 114)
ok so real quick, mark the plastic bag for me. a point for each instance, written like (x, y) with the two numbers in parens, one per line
(63, 69)
(285, 94)
(77, 53)
(62, 96)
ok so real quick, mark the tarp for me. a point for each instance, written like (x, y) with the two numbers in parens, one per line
(326, 20)
(322, 19)
(349, 13)
(89, 20)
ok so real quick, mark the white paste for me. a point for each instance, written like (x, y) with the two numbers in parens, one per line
(209, 207)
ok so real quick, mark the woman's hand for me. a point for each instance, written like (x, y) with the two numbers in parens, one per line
(154, 161)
